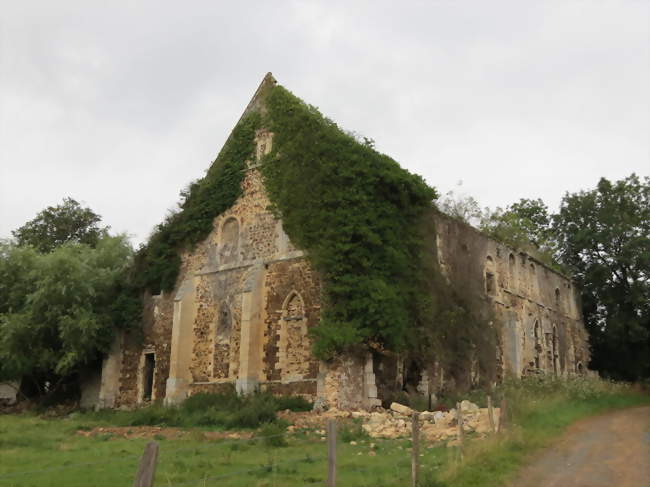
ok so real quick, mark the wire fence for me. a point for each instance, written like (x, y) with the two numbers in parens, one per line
(328, 466)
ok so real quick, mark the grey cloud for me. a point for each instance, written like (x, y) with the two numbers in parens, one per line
(122, 106)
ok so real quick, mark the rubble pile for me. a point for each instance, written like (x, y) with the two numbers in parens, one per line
(434, 426)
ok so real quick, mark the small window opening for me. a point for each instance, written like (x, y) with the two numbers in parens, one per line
(148, 372)
(557, 298)
(538, 345)
(489, 283)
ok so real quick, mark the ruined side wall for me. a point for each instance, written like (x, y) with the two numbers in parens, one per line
(155, 336)
(536, 309)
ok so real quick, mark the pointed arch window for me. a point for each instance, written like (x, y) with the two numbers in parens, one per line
(293, 345)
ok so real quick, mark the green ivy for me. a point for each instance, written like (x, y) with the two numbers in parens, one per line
(362, 219)
(158, 262)
(357, 214)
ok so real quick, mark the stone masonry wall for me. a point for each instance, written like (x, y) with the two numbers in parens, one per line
(155, 337)
(536, 308)
(248, 258)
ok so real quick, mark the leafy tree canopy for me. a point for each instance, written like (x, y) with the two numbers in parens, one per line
(59, 310)
(56, 225)
(604, 236)
(460, 206)
(525, 225)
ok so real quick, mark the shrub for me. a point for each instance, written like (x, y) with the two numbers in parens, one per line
(228, 401)
(293, 403)
(154, 415)
(274, 435)
(253, 414)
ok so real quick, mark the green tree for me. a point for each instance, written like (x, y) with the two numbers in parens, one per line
(56, 225)
(59, 310)
(460, 206)
(526, 224)
(604, 236)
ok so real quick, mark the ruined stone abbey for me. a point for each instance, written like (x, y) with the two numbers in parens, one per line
(246, 298)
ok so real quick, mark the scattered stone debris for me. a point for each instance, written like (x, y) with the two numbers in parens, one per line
(390, 423)
(396, 421)
(434, 426)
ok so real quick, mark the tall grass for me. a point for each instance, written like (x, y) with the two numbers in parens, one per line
(540, 408)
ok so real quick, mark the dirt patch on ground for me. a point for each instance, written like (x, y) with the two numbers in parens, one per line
(158, 431)
(604, 451)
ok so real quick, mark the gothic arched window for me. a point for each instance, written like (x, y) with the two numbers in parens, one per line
(294, 347)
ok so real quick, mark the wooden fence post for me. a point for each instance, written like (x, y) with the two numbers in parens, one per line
(491, 414)
(415, 450)
(502, 415)
(459, 418)
(147, 469)
(331, 453)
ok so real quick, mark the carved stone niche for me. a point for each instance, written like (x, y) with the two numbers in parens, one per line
(263, 144)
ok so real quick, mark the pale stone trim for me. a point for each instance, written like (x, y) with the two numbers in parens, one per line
(296, 254)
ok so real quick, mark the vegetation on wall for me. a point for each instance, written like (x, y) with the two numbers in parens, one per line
(356, 212)
(366, 225)
(158, 262)
(363, 220)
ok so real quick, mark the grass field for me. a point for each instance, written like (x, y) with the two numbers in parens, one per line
(36, 451)
(53, 454)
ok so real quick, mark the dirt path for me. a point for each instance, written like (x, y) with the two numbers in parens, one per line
(612, 450)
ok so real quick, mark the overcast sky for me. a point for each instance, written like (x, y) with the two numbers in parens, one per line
(120, 107)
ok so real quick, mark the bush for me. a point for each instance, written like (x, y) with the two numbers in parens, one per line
(154, 415)
(228, 401)
(293, 403)
(273, 435)
(256, 411)
(224, 410)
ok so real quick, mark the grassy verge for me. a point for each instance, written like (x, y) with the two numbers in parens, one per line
(540, 410)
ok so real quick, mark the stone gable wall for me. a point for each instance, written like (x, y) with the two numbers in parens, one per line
(246, 298)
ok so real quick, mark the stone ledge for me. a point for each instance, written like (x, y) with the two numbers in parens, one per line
(296, 254)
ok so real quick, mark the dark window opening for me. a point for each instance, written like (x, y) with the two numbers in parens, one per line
(412, 378)
(489, 283)
(148, 372)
